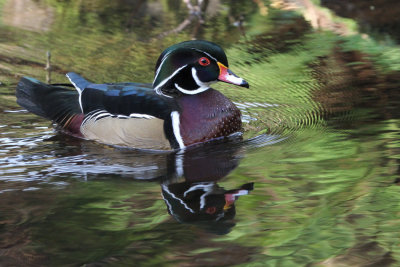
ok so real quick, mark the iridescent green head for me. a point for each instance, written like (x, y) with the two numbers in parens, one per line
(191, 67)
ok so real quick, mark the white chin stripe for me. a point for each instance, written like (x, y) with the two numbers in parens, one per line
(202, 86)
(176, 128)
(191, 92)
(197, 80)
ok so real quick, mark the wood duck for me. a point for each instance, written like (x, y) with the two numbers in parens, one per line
(178, 110)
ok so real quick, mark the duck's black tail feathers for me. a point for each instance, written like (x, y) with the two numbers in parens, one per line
(53, 102)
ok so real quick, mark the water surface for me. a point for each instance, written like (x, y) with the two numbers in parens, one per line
(315, 181)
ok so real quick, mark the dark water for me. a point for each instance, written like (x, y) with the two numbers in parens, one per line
(314, 183)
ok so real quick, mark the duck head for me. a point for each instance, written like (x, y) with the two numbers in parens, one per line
(191, 67)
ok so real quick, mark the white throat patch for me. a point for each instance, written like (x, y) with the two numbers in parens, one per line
(202, 86)
(191, 92)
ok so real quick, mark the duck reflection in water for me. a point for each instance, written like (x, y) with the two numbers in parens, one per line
(205, 204)
(192, 194)
(188, 178)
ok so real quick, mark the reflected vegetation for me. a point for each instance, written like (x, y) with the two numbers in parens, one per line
(115, 205)
(314, 183)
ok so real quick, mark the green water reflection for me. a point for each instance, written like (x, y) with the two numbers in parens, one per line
(321, 119)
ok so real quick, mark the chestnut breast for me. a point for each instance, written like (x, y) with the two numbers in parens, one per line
(206, 116)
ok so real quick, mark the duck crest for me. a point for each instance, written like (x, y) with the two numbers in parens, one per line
(177, 74)
(188, 68)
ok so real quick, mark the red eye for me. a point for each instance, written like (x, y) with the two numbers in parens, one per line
(204, 61)
(211, 210)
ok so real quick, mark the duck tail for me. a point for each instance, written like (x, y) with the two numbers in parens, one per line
(53, 102)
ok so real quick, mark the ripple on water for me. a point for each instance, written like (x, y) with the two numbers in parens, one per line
(268, 123)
